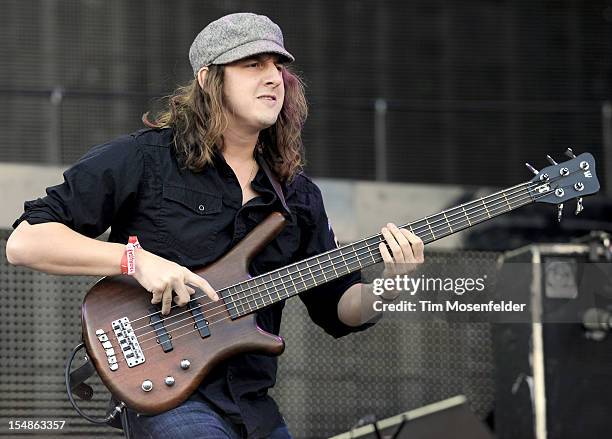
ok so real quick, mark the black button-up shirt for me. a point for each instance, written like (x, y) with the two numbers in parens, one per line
(135, 185)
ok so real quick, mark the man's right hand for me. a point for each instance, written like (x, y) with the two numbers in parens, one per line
(160, 277)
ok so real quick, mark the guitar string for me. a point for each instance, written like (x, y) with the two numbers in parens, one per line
(321, 268)
(252, 299)
(417, 229)
(228, 318)
(355, 246)
(370, 248)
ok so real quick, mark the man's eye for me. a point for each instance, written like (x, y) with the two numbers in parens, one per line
(253, 64)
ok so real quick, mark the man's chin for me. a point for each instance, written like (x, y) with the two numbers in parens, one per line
(267, 123)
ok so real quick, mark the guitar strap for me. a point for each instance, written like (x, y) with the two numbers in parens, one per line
(77, 378)
(275, 183)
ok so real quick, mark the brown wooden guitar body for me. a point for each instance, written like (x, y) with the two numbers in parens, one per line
(116, 297)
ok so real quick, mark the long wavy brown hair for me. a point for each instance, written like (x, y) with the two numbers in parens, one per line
(198, 119)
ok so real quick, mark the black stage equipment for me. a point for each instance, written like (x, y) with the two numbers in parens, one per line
(448, 419)
(554, 373)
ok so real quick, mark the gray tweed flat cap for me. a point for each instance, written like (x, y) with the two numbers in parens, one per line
(234, 37)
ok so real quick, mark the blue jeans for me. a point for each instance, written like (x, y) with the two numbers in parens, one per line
(193, 419)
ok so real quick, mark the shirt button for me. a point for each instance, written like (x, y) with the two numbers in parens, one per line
(201, 207)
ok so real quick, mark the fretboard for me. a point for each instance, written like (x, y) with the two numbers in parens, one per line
(261, 291)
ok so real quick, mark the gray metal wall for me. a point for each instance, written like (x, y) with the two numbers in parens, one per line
(473, 88)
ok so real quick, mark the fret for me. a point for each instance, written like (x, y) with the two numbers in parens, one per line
(301, 279)
(485, 206)
(439, 225)
(361, 257)
(285, 286)
(326, 265)
(457, 218)
(341, 264)
(319, 278)
(322, 274)
(304, 274)
(295, 288)
(284, 272)
(281, 286)
(246, 296)
(357, 255)
(291, 271)
(447, 222)
(248, 303)
(263, 291)
(507, 202)
(235, 299)
(253, 295)
(351, 258)
(342, 271)
(370, 254)
(301, 267)
(355, 265)
(476, 217)
(343, 259)
(268, 291)
(240, 297)
(466, 215)
(310, 272)
(430, 229)
(334, 267)
(257, 293)
(310, 278)
(278, 287)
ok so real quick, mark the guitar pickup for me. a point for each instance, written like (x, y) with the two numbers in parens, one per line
(233, 311)
(160, 330)
(201, 323)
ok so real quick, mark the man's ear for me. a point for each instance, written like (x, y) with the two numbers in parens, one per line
(202, 75)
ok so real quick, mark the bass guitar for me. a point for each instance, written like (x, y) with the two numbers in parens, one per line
(152, 363)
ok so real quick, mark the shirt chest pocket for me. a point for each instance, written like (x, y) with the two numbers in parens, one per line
(190, 219)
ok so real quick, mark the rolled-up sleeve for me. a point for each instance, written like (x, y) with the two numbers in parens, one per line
(322, 301)
(94, 189)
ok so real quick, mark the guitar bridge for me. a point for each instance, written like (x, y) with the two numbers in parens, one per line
(128, 342)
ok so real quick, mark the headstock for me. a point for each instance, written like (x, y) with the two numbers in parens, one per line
(555, 184)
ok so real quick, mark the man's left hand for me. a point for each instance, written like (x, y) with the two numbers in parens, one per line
(406, 250)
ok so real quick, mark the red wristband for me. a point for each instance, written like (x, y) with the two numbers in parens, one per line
(128, 261)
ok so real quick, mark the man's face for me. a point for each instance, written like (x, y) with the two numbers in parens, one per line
(254, 91)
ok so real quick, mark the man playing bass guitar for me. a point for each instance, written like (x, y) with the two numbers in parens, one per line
(223, 155)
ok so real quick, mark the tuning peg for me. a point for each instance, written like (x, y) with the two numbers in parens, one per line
(551, 160)
(559, 212)
(579, 206)
(570, 153)
(532, 169)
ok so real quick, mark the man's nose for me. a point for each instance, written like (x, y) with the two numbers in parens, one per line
(273, 75)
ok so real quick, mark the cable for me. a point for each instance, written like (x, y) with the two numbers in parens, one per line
(110, 416)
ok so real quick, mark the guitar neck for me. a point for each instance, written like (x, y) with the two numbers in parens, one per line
(261, 291)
